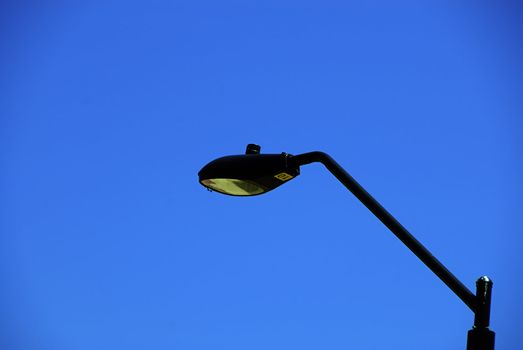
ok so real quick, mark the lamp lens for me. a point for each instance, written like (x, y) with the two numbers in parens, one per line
(233, 187)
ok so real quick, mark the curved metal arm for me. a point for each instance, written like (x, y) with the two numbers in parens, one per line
(392, 224)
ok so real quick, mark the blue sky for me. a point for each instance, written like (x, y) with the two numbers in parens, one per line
(109, 109)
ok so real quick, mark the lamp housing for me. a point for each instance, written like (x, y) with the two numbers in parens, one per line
(248, 174)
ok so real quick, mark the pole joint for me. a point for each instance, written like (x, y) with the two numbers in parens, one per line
(480, 337)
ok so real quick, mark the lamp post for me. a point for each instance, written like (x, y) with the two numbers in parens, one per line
(254, 173)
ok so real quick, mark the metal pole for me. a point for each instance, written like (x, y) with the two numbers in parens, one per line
(479, 337)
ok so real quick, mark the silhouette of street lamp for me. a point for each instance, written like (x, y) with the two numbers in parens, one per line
(253, 173)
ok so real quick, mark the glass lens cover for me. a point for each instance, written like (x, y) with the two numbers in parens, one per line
(234, 187)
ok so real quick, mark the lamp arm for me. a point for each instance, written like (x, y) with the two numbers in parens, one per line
(392, 224)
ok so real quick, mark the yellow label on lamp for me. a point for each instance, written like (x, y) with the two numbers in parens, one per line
(283, 176)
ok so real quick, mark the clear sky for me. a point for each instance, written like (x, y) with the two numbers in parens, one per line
(108, 109)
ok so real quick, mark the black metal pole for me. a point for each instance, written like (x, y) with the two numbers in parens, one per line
(479, 337)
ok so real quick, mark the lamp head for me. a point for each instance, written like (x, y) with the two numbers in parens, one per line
(248, 174)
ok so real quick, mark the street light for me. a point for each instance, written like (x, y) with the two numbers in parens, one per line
(254, 173)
